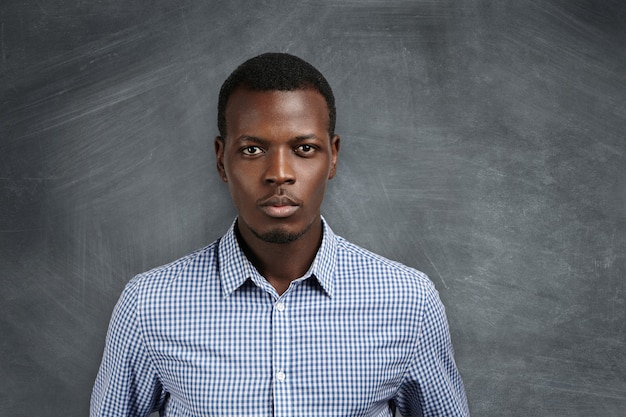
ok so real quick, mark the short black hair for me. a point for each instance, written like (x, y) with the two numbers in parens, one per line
(274, 71)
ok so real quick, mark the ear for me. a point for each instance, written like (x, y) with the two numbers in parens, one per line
(335, 144)
(219, 156)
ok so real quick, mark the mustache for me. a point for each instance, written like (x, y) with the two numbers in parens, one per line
(282, 199)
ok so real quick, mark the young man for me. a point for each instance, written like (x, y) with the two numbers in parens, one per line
(280, 317)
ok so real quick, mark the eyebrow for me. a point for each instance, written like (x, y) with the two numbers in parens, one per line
(261, 141)
(246, 138)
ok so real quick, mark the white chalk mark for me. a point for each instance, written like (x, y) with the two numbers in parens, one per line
(436, 270)
(384, 187)
(570, 387)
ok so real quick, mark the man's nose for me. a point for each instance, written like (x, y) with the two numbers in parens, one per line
(280, 170)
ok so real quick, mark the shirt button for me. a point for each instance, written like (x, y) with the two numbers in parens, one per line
(280, 376)
(280, 306)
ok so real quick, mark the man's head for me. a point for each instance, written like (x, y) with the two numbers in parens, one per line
(276, 151)
(275, 72)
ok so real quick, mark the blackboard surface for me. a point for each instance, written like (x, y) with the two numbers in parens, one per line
(483, 143)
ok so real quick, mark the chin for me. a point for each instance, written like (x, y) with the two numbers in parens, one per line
(279, 236)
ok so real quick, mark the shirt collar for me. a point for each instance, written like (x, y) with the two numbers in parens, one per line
(235, 268)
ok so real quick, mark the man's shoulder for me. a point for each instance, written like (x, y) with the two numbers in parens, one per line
(366, 265)
(193, 266)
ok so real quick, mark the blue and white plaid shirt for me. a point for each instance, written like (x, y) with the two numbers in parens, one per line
(207, 335)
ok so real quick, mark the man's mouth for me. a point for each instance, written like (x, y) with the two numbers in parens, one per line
(279, 206)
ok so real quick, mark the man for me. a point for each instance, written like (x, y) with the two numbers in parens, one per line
(280, 317)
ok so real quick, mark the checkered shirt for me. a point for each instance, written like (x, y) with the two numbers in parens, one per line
(207, 335)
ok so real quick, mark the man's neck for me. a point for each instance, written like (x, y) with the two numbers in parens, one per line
(281, 263)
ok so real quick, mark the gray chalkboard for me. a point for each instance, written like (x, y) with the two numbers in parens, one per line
(483, 143)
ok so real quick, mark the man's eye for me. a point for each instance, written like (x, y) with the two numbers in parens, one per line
(305, 149)
(251, 150)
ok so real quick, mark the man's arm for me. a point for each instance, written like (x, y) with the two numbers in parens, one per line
(432, 384)
(127, 383)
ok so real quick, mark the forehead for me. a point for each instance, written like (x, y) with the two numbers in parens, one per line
(297, 109)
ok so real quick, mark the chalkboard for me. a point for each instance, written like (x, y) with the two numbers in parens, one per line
(482, 143)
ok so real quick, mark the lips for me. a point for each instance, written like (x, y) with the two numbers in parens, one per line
(279, 206)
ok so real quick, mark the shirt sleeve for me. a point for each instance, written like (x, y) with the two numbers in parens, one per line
(127, 383)
(432, 384)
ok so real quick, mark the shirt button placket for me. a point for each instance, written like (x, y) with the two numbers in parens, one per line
(281, 356)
